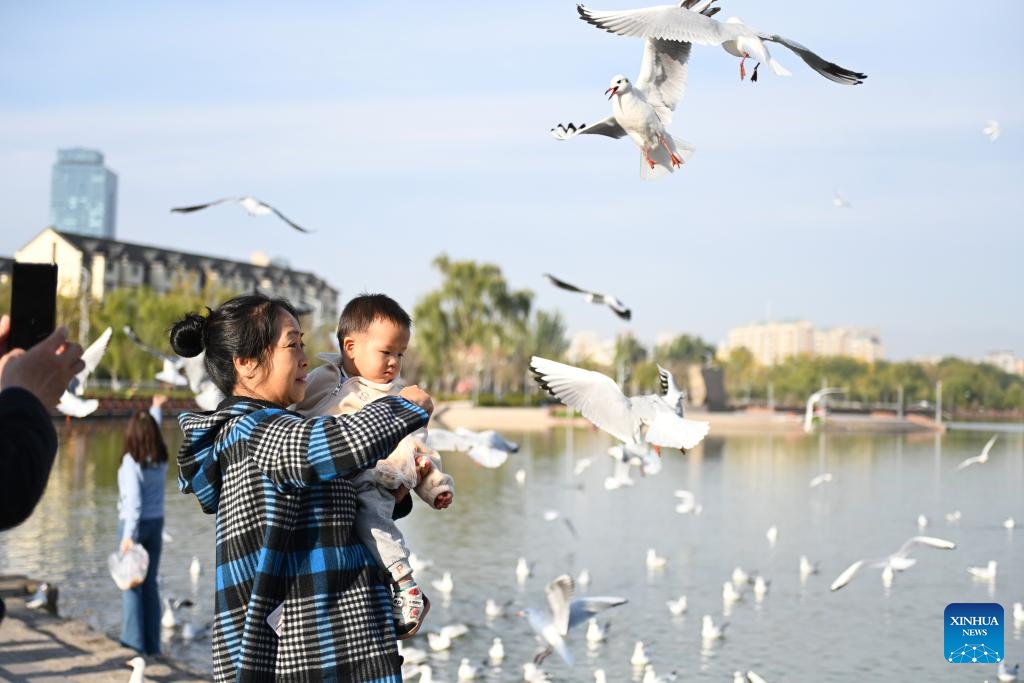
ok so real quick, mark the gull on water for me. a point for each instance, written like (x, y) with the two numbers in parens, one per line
(992, 130)
(496, 651)
(922, 522)
(979, 459)
(679, 23)
(650, 676)
(634, 420)
(445, 584)
(195, 569)
(45, 598)
(71, 402)
(896, 562)
(169, 617)
(678, 606)
(532, 673)
(953, 517)
(986, 573)
(729, 593)
(521, 476)
(583, 578)
(442, 640)
(709, 630)
(1009, 523)
(252, 206)
(772, 535)
(419, 564)
(760, 588)
(616, 305)
(563, 613)
(739, 576)
(524, 569)
(1018, 612)
(596, 633)
(466, 671)
(599, 676)
(807, 567)
(1005, 674)
(412, 655)
(639, 658)
(492, 609)
(655, 561)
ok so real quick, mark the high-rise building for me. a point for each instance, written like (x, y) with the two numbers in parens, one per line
(83, 194)
(774, 342)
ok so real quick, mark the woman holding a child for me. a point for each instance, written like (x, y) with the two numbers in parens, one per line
(298, 596)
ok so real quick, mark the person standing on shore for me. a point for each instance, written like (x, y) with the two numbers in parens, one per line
(298, 597)
(140, 502)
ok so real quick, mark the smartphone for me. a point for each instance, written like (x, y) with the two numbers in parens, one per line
(33, 303)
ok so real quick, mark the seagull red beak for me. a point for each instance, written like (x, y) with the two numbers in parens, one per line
(612, 91)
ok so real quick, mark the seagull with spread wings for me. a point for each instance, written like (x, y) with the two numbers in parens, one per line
(618, 308)
(643, 110)
(683, 23)
(253, 207)
(487, 448)
(71, 402)
(207, 395)
(634, 420)
(565, 612)
(896, 562)
(979, 459)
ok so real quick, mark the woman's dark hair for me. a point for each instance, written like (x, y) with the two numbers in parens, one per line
(243, 327)
(143, 440)
(361, 311)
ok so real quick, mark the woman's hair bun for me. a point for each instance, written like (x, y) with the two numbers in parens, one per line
(187, 335)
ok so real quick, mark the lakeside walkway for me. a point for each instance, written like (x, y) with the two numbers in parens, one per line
(37, 647)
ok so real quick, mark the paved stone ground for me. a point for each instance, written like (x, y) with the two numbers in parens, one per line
(37, 647)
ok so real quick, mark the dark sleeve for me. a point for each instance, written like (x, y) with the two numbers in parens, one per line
(402, 507)
(28, 445)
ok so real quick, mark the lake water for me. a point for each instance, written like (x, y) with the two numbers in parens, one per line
(746, 483)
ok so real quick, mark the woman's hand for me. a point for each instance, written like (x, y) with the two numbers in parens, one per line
(126, 545)
(414, 394)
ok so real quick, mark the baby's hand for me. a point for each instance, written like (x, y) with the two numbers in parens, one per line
(443, 500)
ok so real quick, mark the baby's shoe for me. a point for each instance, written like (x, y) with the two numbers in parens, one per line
(408, 608)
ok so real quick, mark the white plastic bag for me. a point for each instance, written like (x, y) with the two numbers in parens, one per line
(129, 570)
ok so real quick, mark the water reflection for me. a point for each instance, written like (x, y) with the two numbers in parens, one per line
(746, 483)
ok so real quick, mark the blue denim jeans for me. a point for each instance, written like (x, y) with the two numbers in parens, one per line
(140, 618)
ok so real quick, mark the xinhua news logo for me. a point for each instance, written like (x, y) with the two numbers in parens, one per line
(974, 633)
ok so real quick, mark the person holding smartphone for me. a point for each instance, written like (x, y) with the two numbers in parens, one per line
(31, 383)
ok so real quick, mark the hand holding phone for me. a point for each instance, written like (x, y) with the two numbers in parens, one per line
(33, 303)
(45, 370)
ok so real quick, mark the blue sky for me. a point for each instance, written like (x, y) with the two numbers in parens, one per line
(402, 130)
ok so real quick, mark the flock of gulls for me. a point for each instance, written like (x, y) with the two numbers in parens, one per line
(642, 425)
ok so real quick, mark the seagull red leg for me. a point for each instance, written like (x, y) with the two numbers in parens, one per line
(676, 161)
(743, 70)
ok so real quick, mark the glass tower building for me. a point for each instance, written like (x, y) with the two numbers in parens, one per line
(83, 194)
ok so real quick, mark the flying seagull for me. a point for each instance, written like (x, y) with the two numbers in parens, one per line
(207, 395)
(897, 562)
(978, 459)
(618, 308)
(812, 400)
(487, 448)
(565, 612)
(992, 130)
(634, 420)
(71, 402)
(643, 110)
(253, 206)
(679, 23)
(839, 201)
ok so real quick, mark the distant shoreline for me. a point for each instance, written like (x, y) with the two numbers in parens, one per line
(464, 414)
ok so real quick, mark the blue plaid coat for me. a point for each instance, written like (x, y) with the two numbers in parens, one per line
(284, 514)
